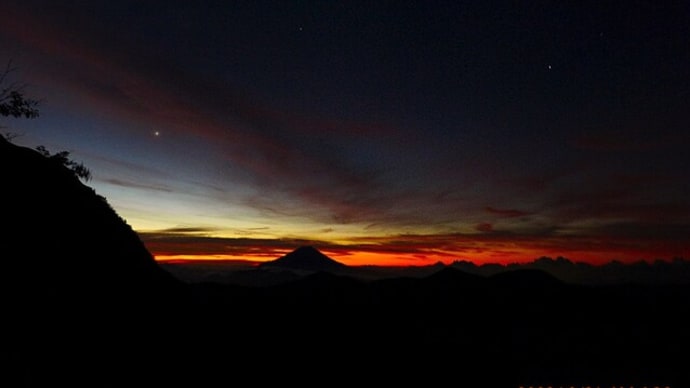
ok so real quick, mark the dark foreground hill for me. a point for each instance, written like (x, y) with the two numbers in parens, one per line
(59, 236)
(84, 304)
(76, 283)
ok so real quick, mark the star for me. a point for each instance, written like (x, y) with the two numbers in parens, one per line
(156, 133)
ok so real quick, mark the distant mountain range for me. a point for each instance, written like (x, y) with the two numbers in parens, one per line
(307, 259)
(676, 271)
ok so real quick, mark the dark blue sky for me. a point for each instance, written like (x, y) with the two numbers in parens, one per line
(488, 131)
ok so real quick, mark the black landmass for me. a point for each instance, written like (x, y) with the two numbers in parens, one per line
(85, 304)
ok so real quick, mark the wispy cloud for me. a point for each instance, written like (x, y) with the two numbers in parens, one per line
(182, 231)
(302, 164)
(302, 156)
(137, 185)
(197, 241)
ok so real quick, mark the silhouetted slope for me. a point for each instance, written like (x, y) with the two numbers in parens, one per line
(61, 239)
(305, 258)
(78, 287)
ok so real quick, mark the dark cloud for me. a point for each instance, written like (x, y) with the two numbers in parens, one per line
(643, 232)
(506, 212)
(484, 227)
(655, 135)
(194, 241)
(181, 230)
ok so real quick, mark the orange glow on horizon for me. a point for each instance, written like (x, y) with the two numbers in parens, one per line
(420, 249)
(348, 258)
(401, 259)
(250, 260)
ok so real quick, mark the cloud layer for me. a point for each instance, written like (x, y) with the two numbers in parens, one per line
(430, 141)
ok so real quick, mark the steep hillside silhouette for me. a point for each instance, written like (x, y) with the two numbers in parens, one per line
(78, 287)
(62, 240)
(60, 233)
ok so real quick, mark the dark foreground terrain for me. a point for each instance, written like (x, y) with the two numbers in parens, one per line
(84, 304)
(451, 328)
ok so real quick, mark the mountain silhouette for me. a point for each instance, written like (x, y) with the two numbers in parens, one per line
(305, 258)
(63, 241)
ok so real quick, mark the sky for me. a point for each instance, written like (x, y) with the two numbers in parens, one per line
(381, 132)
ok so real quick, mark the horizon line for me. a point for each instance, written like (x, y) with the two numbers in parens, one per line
(253, 262)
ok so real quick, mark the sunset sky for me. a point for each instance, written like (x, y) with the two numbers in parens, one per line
(380, 132)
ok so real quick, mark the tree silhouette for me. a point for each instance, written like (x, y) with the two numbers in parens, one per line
(62, 158)
(12, 100)
(14, 103)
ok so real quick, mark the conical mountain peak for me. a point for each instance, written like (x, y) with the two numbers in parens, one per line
(305, 258)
